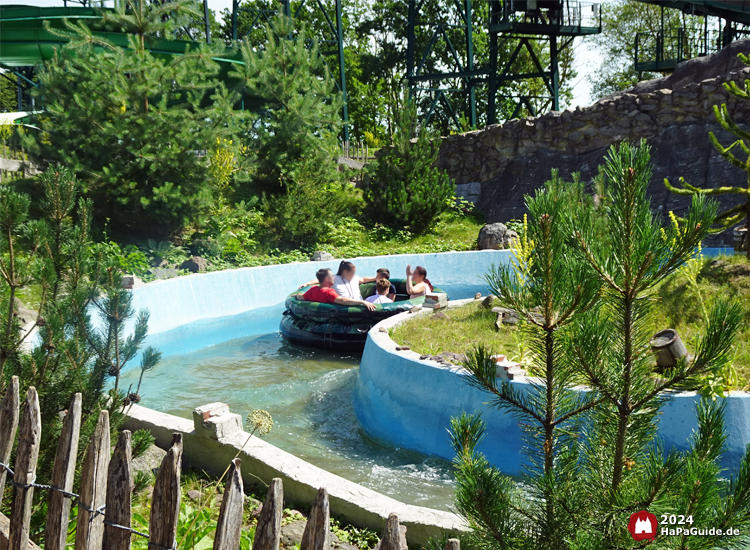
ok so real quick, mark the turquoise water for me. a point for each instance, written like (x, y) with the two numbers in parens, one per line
(242, 361)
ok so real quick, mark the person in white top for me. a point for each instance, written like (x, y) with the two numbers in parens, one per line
(346, 283)
(382, 289)
(417, 283)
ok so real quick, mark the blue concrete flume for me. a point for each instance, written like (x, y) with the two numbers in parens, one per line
(218, 334)
(408, 402)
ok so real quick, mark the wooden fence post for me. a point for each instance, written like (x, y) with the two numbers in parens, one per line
(229, 525)
(63, 472)
(8, 426)
(119, 495)
(89, 527)
(29, 436)
(453, 544)
(165, 504)
(391, 535)
(317, 535)
(268, 530)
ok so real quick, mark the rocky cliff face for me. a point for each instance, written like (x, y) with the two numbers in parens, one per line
(497, 166)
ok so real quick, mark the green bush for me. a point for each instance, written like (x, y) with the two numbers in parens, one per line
(404, 190)
(304, 214)
(130, 123)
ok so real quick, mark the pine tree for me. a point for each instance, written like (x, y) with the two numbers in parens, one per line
(78, 343)
(587, 475)
(130, 123)
(548, 288)
(294, 135)
(740, 212)
(404, 189)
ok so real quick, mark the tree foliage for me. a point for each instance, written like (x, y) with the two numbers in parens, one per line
(403, 188)
(294, 134)
(593, 458)
(375, 44)
(739, 212)
(77, 342)
(130, 123)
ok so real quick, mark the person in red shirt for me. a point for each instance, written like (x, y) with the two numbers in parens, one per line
(324, 292)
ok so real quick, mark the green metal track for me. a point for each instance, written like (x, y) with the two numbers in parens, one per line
(25, 41)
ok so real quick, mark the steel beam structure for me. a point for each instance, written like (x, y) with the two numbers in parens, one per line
(516, 29)
(662, 50)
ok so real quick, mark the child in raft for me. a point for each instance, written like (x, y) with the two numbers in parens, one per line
(382, 289)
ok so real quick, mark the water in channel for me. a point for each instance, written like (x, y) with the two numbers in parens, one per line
(244, 362)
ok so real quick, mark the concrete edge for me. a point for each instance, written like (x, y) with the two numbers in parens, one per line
(422, 428)
(261, 462)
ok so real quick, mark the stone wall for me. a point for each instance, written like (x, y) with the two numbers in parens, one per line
(495, 167)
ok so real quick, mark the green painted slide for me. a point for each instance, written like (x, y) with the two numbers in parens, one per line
(25, 41)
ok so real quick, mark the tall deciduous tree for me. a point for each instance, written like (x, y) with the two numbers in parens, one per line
(133, 124)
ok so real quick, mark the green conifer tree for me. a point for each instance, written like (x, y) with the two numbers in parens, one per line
(404, 189)
(294, 135)
(548, 287)
(79, 341)
(130, 123)
(606, 461)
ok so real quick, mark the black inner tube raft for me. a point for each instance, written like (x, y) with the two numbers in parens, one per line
(338, 327)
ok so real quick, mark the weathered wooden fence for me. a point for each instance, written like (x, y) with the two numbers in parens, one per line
(356, 151)
(104, 502)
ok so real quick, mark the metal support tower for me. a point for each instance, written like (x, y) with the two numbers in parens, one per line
(444, 81)
(551, 24)
(661, 50)
(515, 30)
(331, 40)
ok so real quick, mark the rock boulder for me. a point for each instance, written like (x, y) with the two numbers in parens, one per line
(496, 236)
(196, 264)
(322, 256)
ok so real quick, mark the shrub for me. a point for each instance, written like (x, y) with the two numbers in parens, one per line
(403, 188)
(130, 124)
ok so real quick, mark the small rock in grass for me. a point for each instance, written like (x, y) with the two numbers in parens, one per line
(402, 348)
(291, 533)
(488, 302)
(477, 296)
(321, 256)
(441, 315)
(194, 495)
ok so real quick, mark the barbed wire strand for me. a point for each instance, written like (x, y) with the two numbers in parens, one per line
(67, 494)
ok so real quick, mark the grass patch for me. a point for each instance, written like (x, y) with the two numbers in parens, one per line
(203, 519)
(468, 326)
(725, 278)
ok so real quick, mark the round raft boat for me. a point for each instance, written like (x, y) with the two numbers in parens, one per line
(337, 327)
